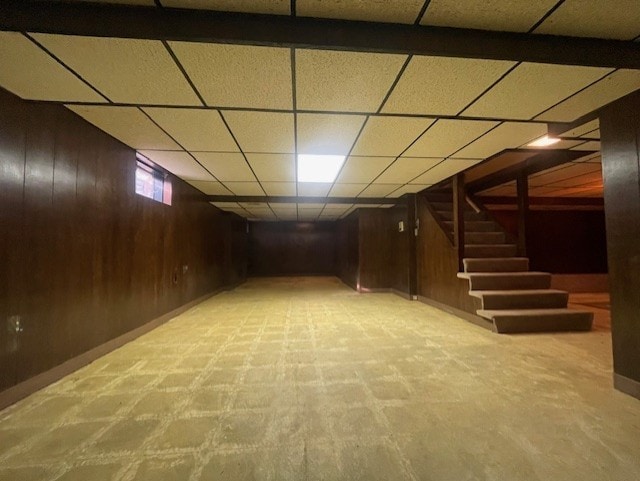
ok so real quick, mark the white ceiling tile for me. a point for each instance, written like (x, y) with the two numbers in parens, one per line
(592, 145)
(327, 134)
(125, 70)
(389, 136)
(379, 190)
(254, 205)
(245, 188)
(405, 169)
(362, 170)
(445, 170)
(595, 18)
(127, 124)
(346, 190)
(279, 188)
(178, 163)
(509, 135)
(313, 189)
(616, 85)
(227, 205)
(226, 166)
(584, 130)
(30, 73)
(443, 85)
(408, 189)
(532, 88)
(344, 81)
(273, 7)
(397, 11)
(238, 75)
(336, 209)
(262, 131)
(283, 206)
(311, 205)
(511, 16)
(447, 136)
(194, 129)
(273, 167)
(209, 188)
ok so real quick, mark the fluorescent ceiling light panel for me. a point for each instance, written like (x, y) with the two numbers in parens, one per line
(545, 141)
(319, 168)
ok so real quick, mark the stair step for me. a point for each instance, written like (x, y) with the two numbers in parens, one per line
(538, 320)
(507, 264)
(476, 226)
(486, 281)
(490, 250)
(522, 299)
(469, 215)
(484, 238)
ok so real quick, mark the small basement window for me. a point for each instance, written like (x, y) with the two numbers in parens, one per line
(152, 183)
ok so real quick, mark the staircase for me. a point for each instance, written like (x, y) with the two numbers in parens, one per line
(515, 299)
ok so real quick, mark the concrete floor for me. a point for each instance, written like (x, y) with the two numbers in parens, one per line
(301, 379)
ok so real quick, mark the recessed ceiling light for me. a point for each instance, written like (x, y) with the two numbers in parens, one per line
(544, 141)
(319, 168)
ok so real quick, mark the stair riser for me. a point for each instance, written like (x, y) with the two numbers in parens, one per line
(491, 265)
(539, 301)
(556, 323)
(482, 238)
(490, 251)
(509, 283)
(476, 226)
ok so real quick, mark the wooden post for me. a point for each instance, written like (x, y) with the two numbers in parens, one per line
(412, 216)
(459, 202)
(522, 183)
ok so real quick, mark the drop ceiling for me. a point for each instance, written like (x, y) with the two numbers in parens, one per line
(230, 119)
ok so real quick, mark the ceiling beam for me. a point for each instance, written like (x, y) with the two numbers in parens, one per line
(124, 21)
(304, 200)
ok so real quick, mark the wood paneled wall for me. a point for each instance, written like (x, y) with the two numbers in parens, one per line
(292, 248)
(620, 130)
(83, 259)
(349, 249)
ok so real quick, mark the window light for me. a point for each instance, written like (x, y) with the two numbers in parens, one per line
(544, 141)
(319, 168)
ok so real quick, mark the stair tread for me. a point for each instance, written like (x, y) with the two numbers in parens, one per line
(468, 275)
(495, 259)
(518, 292)
(530, 312)
(490, 245)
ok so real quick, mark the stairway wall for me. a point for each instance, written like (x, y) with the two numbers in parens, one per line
(83, 259)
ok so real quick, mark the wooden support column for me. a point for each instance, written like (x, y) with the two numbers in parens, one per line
(412, 217)
(522, 184)
(458, 216)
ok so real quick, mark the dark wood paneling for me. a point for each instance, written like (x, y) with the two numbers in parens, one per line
(349, 249)
(375, 249)
(438, 265)
(562, 241)
(620, 130)
(83, 258)
(292, 248)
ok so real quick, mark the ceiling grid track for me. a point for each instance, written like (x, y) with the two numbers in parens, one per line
(422, 12)
(184, 72)
(545, 16)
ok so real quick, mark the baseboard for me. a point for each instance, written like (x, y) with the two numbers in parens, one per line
(626, 385)
(404, 295)
(374, 290)
(467, 316)
(39, 381)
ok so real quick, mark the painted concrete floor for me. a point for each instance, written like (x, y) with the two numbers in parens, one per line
(303, 379)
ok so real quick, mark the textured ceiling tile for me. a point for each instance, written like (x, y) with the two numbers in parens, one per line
(279, 188)
(194, 129)
(226, 166)
(443, 85)
(595, 18)
(127, 124)
(272, 7)
(362, 170)
(593, 145)
(180, 164)
(125, 70)
(616, 85)
(313, 189)
(327, 134)
(585, 130)
(336, 208)
(245, 188)
(512, 16)
(30, 73)
(238, 75)
(210, 188)
(389, 136)
(447, 136)
(408, 189)
(397, 11)
(568, 171)
(403, 170)
(262, 131)
(509, 135)
(346, 190)
(379, 190)
(445, 170)
(532, 88)
(273, 167)
(231, 206)
(344, 81)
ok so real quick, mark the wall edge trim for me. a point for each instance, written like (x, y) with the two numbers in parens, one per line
(472, 318)
(626, 385)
